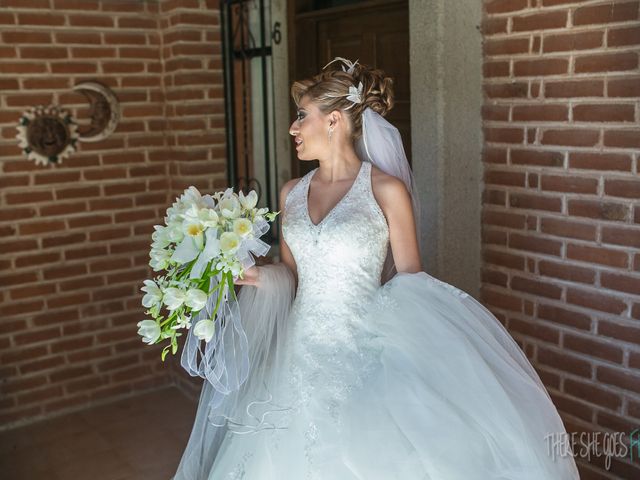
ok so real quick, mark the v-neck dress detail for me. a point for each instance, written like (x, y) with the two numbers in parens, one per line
(308, 178)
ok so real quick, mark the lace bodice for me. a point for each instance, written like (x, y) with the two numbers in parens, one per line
(340, 259)
(339, 263)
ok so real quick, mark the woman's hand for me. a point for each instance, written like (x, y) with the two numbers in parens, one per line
(250, 277)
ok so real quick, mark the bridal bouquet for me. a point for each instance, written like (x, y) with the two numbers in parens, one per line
(206, 242)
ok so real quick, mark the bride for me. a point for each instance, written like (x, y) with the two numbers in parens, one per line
(362, 366)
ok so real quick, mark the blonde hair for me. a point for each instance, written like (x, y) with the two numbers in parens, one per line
(329, 90)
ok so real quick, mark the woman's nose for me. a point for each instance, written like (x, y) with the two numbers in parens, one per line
(293, 129)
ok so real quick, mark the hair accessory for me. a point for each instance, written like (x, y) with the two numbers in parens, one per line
(355, 94)
(349, 63)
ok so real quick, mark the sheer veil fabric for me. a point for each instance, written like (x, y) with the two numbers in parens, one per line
(250, 408)
(381, 144)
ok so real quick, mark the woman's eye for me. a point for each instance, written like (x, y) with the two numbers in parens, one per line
(300, 116)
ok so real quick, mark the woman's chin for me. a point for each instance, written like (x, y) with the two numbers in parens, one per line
(302, 156)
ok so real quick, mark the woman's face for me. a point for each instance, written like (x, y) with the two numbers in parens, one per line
(310, 131)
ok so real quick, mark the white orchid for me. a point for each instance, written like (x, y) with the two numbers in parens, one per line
(229, 264)
(149, 330)
(204, 330)
(153, 294)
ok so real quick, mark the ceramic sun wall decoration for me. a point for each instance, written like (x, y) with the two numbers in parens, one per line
(48, 134)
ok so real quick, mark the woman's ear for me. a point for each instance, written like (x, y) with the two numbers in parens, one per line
(335, 117)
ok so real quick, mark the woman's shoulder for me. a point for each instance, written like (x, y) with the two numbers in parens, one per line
(286, 188)
(386, 185)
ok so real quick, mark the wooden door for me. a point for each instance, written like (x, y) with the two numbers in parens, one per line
(375, 32)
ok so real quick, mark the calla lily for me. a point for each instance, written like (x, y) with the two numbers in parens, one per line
(210, 251)
(149, 330)
(204, 330)
(189, 250)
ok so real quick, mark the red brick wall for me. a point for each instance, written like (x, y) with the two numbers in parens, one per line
(74, 238)
(561, 202)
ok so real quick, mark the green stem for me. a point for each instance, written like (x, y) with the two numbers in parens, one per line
(169, 318)
(219, 299)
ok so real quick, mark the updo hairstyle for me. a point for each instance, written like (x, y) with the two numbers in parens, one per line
(329, 90)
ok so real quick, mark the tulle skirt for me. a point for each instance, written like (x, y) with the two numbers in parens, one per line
(450, 396)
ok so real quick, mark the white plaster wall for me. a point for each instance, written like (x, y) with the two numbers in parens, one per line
(446, 95)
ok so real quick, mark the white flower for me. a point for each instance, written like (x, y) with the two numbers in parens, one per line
(242, 227)
(149, 330)
(229, 207)
(204, 330)
(194, 228)
(208, 217)
(229, 243)
(174, 298)
(191, 196)
(159, 259)
(184, 321)
(186, 251)
(190, 249)
(196, 299)
(174, 231)
(229, 264)
(160, 237)
(153, 294)
(249, 202)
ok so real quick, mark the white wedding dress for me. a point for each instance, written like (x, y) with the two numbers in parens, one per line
(411, 380)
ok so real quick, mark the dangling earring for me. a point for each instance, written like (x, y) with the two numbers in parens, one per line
(330, 133)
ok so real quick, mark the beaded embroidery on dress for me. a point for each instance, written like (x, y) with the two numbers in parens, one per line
(411, 380)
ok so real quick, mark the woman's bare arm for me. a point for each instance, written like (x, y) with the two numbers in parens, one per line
(286, 256)
(395, 201)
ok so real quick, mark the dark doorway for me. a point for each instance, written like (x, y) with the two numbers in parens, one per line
(375, 32)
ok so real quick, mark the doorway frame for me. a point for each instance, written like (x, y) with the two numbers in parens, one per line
(446, 129)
